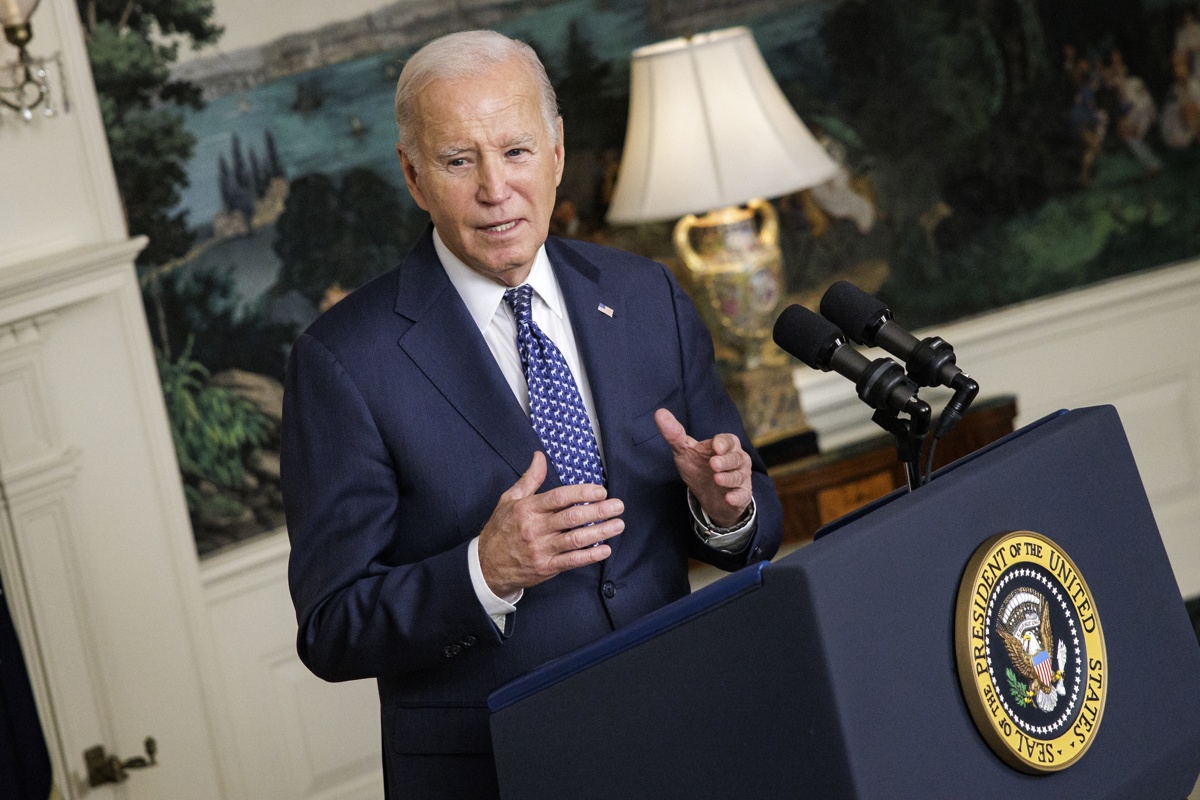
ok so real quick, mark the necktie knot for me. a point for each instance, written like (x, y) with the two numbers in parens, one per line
(520, 300)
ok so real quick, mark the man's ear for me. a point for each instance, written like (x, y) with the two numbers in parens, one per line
(411, 178)
(560, 154)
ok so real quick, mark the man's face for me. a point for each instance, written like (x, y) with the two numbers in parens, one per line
(486, 169)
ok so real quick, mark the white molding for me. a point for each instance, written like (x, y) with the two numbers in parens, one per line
(37, 479)
(1169, 286)
(50, 282)
(245, 567)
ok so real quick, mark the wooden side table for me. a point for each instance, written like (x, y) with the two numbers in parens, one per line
(818, 489)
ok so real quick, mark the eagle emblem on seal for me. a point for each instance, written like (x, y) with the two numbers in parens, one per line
(1024, 625)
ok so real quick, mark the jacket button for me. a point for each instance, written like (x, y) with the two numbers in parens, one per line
(756, 553)
(469, 641)
(451, 650)
(609, 589)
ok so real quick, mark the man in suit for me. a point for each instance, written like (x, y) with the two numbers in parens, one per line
(435, 547)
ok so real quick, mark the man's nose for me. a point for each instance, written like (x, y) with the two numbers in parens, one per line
(493, 181)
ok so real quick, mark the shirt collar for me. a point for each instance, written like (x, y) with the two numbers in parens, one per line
(483, 295)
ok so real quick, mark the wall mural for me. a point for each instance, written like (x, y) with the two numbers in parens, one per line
(993, 151)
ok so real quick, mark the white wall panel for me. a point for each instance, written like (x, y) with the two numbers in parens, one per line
(300, 738)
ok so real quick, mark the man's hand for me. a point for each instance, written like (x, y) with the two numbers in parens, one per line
(717, 470)
(531, 537)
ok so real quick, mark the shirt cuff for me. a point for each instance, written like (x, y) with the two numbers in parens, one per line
(498, 608)
(728, 540)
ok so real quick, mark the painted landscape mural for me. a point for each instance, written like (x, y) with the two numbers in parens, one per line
(993, 151)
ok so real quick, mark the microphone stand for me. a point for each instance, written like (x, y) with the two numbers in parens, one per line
(910, 435)
(965, 390)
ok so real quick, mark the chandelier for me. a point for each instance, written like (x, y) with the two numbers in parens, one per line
(25, 84)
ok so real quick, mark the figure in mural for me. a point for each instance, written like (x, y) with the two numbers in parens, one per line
(1135, 111)
(444, 538)
(1180, 122)
(1187, 43)
(1089, 121)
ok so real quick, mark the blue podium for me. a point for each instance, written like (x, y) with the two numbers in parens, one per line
(834, 672)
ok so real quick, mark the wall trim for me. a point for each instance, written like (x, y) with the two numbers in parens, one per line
(245, 566)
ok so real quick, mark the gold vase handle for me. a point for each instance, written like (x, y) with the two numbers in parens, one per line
(683, 241)
(768, 232)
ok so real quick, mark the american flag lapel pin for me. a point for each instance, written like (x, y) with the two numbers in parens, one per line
(605, 310)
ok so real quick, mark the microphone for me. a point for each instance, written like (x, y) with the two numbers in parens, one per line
(866, 320)
(817, 342)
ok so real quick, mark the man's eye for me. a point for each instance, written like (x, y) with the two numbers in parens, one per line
(516, 152)
(456, 162)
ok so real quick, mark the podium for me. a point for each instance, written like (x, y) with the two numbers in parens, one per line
(833, 672)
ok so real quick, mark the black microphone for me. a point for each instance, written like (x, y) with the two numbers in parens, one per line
(817, 342)
(866, 320)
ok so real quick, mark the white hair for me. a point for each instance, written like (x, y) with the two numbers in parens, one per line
(463, 55)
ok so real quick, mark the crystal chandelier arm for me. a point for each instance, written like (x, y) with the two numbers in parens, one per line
(33, 81)
(31, 85)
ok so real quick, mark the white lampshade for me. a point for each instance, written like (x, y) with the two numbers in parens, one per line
(709, 128)
(16, 12)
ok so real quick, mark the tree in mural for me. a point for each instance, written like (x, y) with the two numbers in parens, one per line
(243, 181)
(334, 236)
(594, 104)
(586, 96)
(205, 315)
(131, 46)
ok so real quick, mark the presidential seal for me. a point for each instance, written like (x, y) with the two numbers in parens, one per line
(1030, 652)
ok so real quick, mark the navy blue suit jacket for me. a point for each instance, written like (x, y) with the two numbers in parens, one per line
(399, 436)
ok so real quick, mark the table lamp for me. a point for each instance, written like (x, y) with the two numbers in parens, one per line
(710, 136)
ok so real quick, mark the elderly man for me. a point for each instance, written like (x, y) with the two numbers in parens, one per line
(507, 446)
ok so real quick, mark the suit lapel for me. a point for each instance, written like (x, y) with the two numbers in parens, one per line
(447, 347)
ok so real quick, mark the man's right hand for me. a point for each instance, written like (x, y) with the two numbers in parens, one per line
(531, 537)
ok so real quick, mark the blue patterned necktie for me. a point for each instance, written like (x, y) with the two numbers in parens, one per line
(556, 407)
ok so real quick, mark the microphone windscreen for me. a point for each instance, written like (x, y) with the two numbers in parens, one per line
(805, 335)
(853, 310)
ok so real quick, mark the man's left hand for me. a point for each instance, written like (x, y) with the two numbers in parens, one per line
(716, 470)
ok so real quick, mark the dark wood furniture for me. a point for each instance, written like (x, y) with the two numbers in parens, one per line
(820, 488)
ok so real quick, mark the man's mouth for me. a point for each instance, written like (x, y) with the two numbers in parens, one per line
(502, 227)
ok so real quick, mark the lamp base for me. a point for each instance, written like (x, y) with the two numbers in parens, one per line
(733, 262)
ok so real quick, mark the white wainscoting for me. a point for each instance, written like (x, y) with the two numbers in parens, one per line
(299, 737)
(1134, 343)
